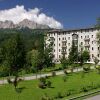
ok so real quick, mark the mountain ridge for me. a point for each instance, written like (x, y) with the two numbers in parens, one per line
(23, 24)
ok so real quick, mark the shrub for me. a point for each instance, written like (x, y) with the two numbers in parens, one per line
(43, 80)
(65, 71)
(86, 68)
(46, 97)
(59, 95)
(46, 77)
(49, 83)
(84, 89)
(53, 73)
(9, 80)
(64, 78)
(98, 68)
(41, 85)
(68, 93)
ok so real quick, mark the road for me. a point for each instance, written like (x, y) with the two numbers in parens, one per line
(42, 75)
(97, 97)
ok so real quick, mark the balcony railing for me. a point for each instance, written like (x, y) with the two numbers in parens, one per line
(86, 39)
(87, 45)
(64, 46)
(64, 52)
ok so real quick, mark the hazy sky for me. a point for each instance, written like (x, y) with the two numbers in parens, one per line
(55, 13)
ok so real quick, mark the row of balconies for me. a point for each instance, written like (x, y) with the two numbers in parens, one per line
(86, 45)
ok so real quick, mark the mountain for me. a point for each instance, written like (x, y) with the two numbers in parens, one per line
(7, 24)
(25, 23)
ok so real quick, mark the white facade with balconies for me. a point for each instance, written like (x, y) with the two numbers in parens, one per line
(86, 40)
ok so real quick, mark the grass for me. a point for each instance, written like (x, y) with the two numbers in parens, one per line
(29, 89)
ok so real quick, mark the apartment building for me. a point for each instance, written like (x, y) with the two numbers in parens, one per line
(85, 39)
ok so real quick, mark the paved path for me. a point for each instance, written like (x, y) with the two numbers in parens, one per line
(42, 75)
(97, 97)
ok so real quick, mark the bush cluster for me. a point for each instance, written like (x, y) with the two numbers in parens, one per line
(43, 83)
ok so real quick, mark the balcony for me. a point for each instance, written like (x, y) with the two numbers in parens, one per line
(64, 47)
(64, 52)
(64, 41)
(87, 45)
(87, 39)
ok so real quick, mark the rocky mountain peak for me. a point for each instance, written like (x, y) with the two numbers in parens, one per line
(24, 23)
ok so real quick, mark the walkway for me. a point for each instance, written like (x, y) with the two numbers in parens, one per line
(42, 75)
(97, 97)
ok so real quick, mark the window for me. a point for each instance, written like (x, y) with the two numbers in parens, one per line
(59, 44)
(54, 44)
(92, 36)
(59, 39)
(81, 43)
(98, 55)
(92, 55)
(54, 34)
(81, 37)
(68, 38)
(92, 42)
(92, 48)
(81, 49)
(98, 48)
(59, 56)
(54, 50)
(68, 44)
(63, 38)
(59, 50)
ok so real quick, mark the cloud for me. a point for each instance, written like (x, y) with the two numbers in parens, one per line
(19, 13)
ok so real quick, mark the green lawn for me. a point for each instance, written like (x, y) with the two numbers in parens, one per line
(30, 90)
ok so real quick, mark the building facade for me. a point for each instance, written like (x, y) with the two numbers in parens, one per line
(85, 39)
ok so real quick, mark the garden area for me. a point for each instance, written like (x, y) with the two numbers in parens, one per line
(56, 88)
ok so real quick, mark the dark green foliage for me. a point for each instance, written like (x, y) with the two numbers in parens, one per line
(49, 84)
(14, 54)
(84, 89)
(73, 54)
(59, 95)
(65, 72)
(83, 57)
(44, 83)
(48, 54)
(32, 39)
(53, 73)
(96, 61)
(41, 85)
(64, 78)
(98, 68)
(43, 80)
(64, 61)
(86, 68)
(9, 80)
(15, 81)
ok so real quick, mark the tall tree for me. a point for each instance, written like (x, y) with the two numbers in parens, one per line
(48, 53)
(98, 34)
(83, 57)
(14, 54)
(73, 54)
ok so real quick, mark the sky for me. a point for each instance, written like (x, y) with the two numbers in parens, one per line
(67, 14)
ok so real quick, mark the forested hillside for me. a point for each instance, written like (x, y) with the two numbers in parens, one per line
(29, 36)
